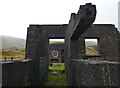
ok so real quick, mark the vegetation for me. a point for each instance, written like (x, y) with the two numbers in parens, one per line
(90, 50)
(17, 54)
(57, 66)
(58, 79)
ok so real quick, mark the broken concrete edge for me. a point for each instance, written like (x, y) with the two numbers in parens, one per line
(79, 25)
(14, 61)
(96, 61)
(100, 74)
(14, 73)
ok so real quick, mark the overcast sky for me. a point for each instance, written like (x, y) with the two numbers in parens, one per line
(16, 15)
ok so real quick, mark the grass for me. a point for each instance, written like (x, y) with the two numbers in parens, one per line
(57, 66)
(91, 51)
(58, 79)
(17, 54)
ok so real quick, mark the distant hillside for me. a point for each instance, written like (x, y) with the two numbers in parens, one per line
(88, 43)
(57, 43)
(92, 48)
(12, 42)
(91, 43)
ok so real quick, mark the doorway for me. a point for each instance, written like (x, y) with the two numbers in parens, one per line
(56, 75)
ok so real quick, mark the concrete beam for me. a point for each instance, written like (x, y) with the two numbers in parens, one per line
(83, 19)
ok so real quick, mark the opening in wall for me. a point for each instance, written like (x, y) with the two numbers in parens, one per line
(91, 46)
(56, 41)
(56, 47)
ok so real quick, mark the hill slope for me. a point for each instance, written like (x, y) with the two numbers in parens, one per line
(91, 43)
(12, 42)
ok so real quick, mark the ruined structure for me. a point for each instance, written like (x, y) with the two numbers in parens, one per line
(108, 38)
(81, 70)
(37, 47)
(86, 71)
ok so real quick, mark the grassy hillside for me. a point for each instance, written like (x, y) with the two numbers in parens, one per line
(91, 50)
(90, 43)
(12, 42)
(17, 54)
(57, 43)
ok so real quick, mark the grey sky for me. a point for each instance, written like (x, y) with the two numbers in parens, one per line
(16, 15)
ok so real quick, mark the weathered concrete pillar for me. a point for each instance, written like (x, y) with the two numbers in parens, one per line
(37, 50)
(78, 24)
(0, 74)
(0, 62)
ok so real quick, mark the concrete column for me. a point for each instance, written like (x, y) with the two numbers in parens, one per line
(0, 75)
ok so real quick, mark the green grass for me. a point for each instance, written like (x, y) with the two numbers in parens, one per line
(55, 80)
(58, 79)
(57, 66)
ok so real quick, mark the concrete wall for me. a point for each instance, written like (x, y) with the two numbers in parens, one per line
(108, 39)
(55, 31)
(107, 36)
(0, 75)
(95, 73)
(37, 48)
(76, 33)
(16, 73)
(119, 47)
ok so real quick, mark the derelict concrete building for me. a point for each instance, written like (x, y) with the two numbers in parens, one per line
(80, 27)
(81, 70)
